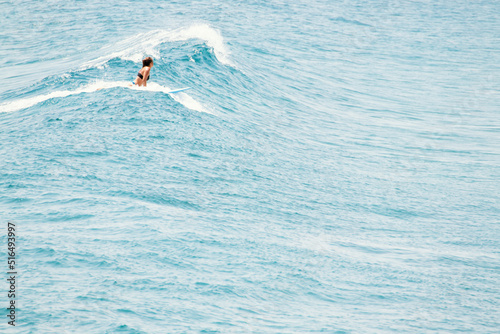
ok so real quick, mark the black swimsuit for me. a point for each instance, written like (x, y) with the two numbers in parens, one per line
(142, 78)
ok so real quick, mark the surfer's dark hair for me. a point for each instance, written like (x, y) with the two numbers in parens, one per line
(147, 61)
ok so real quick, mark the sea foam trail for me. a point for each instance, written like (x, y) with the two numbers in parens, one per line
(136, 47)
(181, 97)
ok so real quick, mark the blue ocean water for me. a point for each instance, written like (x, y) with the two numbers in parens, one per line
(333, 168)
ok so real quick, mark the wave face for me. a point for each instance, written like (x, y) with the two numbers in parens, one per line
(333, 168)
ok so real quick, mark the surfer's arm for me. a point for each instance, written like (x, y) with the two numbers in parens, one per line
(146, 76)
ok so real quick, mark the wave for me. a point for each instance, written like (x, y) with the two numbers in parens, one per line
(183, 98)
(135, 48)
(344, 20)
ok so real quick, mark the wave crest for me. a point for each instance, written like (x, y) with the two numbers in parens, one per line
(136, 47)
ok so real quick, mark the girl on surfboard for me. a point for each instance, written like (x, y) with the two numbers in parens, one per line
(143, 75)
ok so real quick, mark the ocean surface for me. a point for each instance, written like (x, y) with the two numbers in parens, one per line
(335, 166)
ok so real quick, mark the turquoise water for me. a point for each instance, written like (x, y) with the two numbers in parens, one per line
(333, 168)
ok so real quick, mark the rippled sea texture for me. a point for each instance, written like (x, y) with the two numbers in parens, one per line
(333, 168)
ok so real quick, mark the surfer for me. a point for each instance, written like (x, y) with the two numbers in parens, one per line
(143, 75)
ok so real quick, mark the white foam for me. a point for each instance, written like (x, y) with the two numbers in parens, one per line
(136, 47)
(212, 37)
(28, 102)
(182, 98)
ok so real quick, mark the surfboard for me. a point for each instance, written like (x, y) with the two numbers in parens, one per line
(178, 90)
